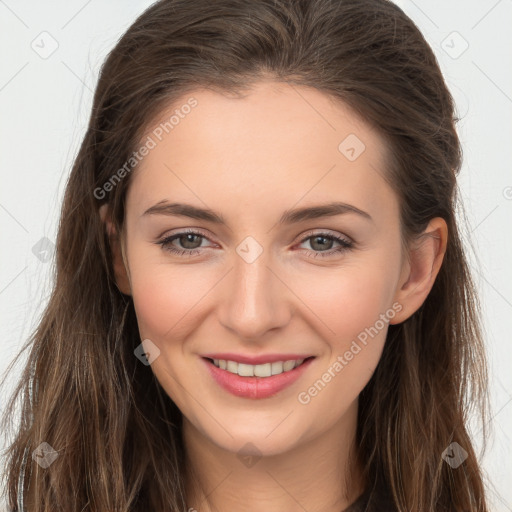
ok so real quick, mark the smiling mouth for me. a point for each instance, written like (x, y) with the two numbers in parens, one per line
(258, 370)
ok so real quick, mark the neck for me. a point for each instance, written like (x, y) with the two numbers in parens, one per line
(319, 474)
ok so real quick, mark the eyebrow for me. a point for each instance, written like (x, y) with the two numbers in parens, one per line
(289, 216)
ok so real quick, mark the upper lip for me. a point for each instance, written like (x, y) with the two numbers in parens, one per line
(254, 360)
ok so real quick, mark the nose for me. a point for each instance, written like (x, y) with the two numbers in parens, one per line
(256, 297)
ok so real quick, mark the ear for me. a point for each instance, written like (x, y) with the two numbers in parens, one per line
(118, 261)
(420, 270)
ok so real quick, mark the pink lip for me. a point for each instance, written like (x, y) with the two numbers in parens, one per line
(255, 387)
(266, 358)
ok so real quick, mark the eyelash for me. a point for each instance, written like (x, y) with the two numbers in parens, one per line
(345, 244)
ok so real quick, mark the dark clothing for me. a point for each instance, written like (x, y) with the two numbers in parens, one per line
(373, 500)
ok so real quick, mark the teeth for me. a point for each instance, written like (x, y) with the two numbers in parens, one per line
(288, 365)
(245, 370)
(263, 370)
(258, 370)
(232, 366)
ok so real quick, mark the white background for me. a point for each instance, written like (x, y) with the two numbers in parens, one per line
(44, 108)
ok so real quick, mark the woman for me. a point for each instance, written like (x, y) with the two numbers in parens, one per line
(203, 349)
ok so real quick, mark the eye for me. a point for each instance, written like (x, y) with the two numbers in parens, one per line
(191, 241)
(324, 242)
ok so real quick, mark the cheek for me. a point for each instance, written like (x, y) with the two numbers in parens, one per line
(164, 305)
(353, 308)
(353, 353)
(156, 306)
(165, 298)
(347, 300)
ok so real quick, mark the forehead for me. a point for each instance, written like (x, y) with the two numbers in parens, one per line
(276, 143)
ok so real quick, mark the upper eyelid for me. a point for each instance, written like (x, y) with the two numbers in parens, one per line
(184, 231)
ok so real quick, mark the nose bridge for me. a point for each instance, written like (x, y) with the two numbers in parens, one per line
(255, 299)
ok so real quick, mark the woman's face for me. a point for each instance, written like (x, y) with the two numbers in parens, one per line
(262, 279)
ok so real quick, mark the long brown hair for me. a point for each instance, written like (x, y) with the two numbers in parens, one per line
(116, 432)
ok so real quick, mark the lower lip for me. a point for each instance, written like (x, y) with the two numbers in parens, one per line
(255, 387)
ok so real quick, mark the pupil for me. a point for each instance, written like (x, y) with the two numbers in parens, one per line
(320, 238)
(189, 239)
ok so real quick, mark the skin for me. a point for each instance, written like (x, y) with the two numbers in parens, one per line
(250, 159)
